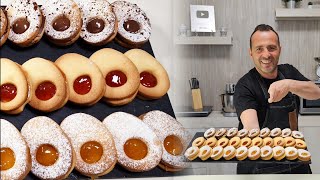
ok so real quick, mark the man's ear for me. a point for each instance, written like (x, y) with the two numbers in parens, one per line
(250, 52)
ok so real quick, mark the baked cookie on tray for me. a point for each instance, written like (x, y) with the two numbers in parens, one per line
(26, 22)
(93, 144)
(51, 152)
(134, 28)
(138, 147)
(15, 153)
(174, 139)
(121, 76)
(63, 21)
(99, 22)
(15, 87)
(50, 90)
(154, 79)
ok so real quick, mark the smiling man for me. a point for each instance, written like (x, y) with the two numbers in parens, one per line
(267, 96)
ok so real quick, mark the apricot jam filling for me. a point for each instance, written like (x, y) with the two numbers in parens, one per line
(135, 149)
(91, 152)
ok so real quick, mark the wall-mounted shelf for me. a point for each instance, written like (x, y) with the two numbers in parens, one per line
(204, 40)
(297, 14)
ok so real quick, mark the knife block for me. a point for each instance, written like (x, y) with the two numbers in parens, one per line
(196, 99)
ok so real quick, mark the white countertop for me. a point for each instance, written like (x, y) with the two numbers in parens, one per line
(216, 119)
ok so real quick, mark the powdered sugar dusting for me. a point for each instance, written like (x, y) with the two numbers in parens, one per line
(164, 125)
(23, 9)
(127, 11)
(11, 138)
(124, 126)
(96, 9)
(55, 8)
(43, 130)
(82, 128)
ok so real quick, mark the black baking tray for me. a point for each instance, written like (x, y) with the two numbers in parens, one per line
(234, 160)
(100, 110)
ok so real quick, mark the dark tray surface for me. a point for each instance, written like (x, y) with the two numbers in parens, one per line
(234, 160)
(100, 110)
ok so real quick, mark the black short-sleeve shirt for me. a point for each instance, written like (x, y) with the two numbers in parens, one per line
(249, 94)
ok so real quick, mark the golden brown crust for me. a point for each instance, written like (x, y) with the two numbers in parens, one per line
(41, 70)
(84, 66)
(147, 63)
(12, 73)
(109, 60)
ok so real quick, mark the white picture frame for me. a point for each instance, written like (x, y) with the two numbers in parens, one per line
(202, 18)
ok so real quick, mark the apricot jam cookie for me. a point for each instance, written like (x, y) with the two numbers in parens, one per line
(154, 80)
(15, 153)
(50, 90)
(121, 76)
(134, 28)
(138, 147)
(63, 21)
(85, 81)
(99, 21)
(173, 136)
(14, 87)
(93, 144)
(51, 152)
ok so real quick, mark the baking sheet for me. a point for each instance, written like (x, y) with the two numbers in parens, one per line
(234, 160)
(100, 110)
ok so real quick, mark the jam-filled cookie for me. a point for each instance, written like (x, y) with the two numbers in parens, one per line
(4, 27)
(134, 28)
(122, 78)
(51, 151)
(14, 87)
(154, 80)
(192, 153)
(15, 153)
(173, 136)
(93, 144)
(26, 22)
(50, 91)
(63, 21)
(85, 81)
(138, 147)
(99, 21)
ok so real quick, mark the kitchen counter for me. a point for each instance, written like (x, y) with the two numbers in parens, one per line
(216, 119)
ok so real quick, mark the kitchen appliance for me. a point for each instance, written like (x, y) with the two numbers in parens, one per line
(311, 106)
(227, 101)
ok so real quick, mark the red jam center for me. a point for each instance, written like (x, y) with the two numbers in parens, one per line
(82, 85)
(8, 92)
(148, 80)
(46, 91)
(116, 79)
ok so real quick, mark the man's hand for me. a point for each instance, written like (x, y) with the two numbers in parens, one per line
(305, 89)
(278, 90)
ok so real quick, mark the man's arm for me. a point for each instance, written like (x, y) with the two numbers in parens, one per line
(249, 119)
(305, 89)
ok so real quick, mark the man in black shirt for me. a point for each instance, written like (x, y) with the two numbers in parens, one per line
(266, 95)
